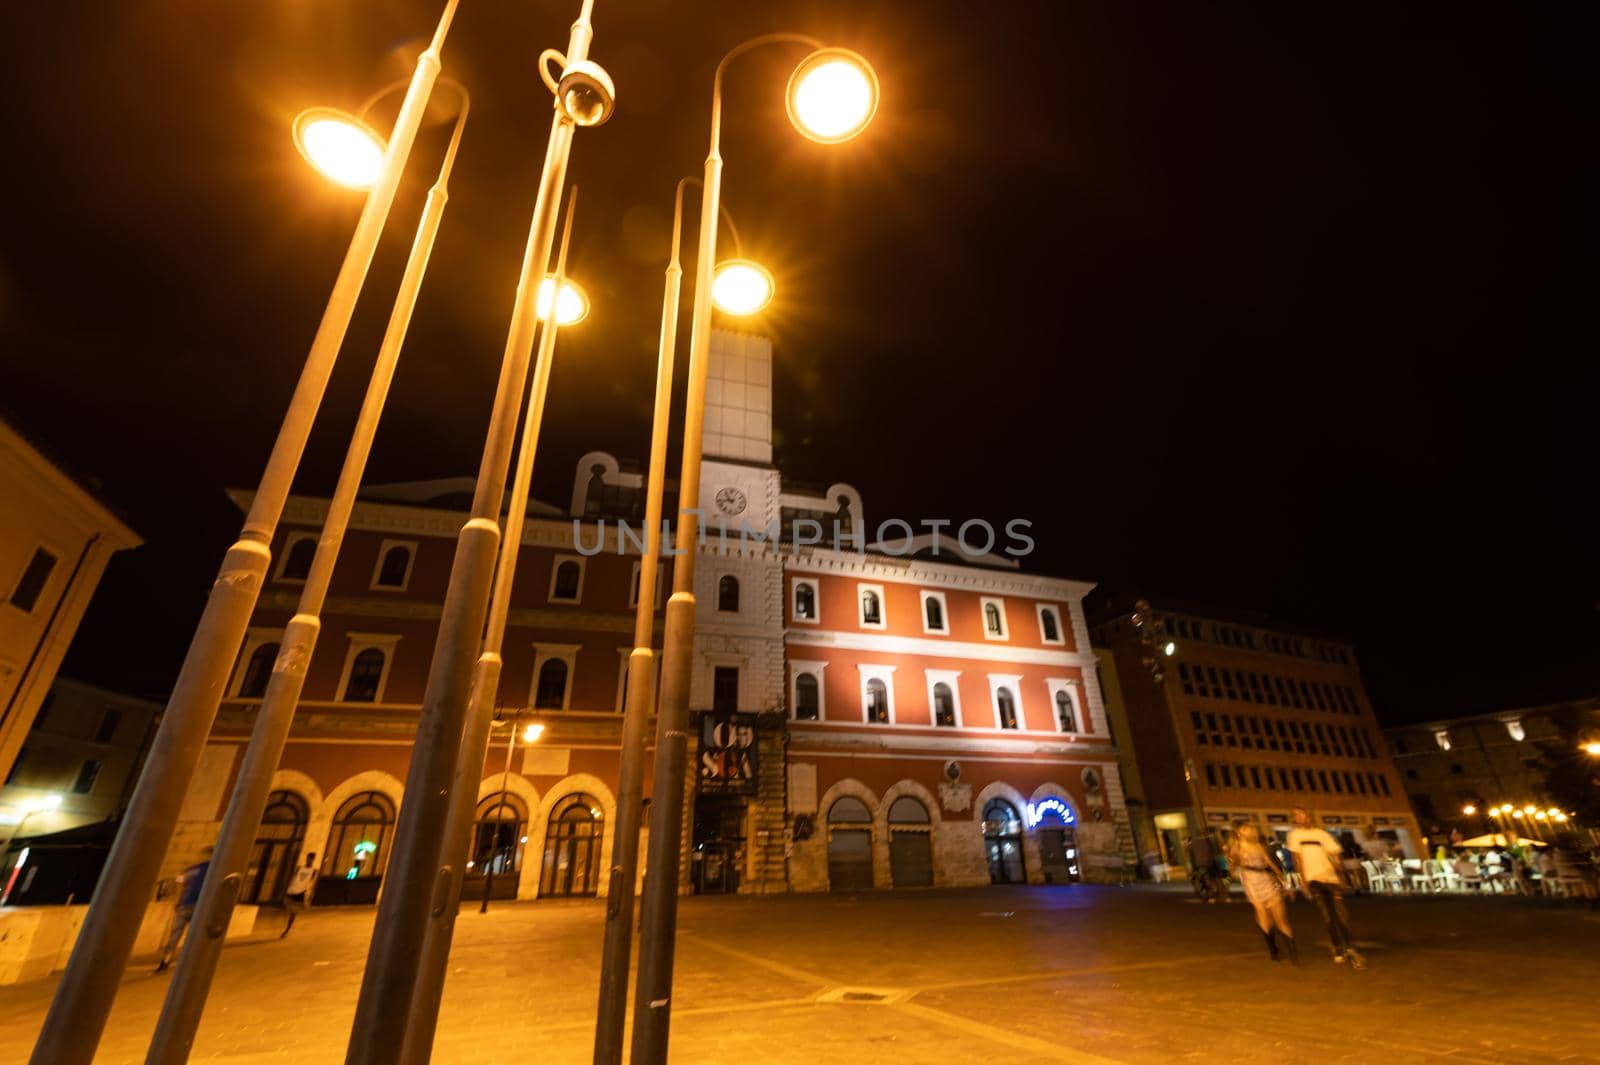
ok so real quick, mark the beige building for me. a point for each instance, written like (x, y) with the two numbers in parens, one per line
(55, 540)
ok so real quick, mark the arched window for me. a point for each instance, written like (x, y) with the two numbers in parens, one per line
(366, 674)
(871, 608)
(1005, 707)
(807, 698)
(991, 618)
(257, 671)
(298, 565)
(1047, 622)
(849, 810)
(394, 567)
(572, 847)
(934, 612)
(908, 810)
(551, 693)
(1064, 715)
(877, 701)
(358, 844)
(1002, 842)
(805, 601)
(500, 830)
(565, 586)
(728, 594)
(944, 705)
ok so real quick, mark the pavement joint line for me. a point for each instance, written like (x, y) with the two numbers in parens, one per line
(766, 963)
(1096, 970)
(1032, 1044)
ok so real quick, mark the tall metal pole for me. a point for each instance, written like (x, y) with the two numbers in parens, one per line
(652, 1006)
(618, 944)
(439, 932)
(505, 786)
(191, 982)
(77, 1015)
(415, 881)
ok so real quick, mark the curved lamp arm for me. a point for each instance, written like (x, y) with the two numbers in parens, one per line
(734, 53)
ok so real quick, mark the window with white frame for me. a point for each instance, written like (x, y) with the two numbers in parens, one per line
(944, 697)
(806, 690)
(935, 614)
(633, 584)
(727, 594)
(994, 618)
(566, 579)
(805, 606)
(877, 694)
(553, 667)
(1064, 705)
(869, 605)
(366, 667)
(298, 551)
(1051, 629)
(256, 659)
(1005, 695)
(392, 572)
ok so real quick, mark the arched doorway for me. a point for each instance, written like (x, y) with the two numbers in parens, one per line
(849, 845)
(499, 832)
(1002, 840)
(910, 843)
(1058, 842)
(572, 847)
(358, 851)
(277, 849)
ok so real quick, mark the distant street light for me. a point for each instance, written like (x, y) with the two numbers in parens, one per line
(1592, 747)
(828, 104)
(1469, 809)
(530, 734)
(83, 998)
(1169, 649)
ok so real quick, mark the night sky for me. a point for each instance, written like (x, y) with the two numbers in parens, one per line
(1283, 308)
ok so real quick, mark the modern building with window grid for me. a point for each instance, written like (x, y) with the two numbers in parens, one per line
(1247, 721)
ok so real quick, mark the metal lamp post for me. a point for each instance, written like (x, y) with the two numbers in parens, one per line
(440, 929)
(416, 880)
(77, 1015)
(191, 982)
(618, 943)
(530, 735)
(832, 95)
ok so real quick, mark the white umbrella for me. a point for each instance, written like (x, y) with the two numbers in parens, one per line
(1498, 839)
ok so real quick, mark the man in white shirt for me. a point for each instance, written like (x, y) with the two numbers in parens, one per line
(1318, 859)
(301, 885)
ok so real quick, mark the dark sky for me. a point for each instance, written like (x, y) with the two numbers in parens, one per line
(1278, 307)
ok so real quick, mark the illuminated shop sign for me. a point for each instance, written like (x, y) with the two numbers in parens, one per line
(1038, 811)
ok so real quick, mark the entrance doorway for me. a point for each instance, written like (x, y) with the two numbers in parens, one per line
(910, 843)
(276, 850)
(1058, 843)
(1002, 840)
(498, 835)
(358, 851)
(849, 845)
(719, 844)
(572, 847)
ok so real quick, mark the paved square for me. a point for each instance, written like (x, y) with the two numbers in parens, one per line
(1080, 974)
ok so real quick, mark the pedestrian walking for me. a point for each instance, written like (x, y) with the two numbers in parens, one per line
(1320, 860)
(193, 879)
(1264, 885)
(301, 886)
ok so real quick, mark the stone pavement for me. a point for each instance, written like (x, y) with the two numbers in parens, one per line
(1024, 975)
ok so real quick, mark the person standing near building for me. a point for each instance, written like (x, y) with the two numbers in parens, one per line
(298, 897)
(1320, 859)
(1264, 885)
(193, 879)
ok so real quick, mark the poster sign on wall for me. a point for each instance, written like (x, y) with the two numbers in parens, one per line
(728, 754)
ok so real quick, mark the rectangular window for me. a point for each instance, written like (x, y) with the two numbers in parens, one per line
(1227, 774)
(725, 689)
(1299, 785)
(1322, 777)
(29, 586)
(108, 726)
(1211, 775)
(87, 774)
(1183, 675)
(1255, 778)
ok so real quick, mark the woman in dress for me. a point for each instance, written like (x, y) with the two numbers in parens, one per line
(1264, 884)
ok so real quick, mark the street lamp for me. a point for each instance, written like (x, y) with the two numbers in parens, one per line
(344, 149)
(741, 287)
(1469, 809)
(530, 734)
(77, 1016)
(827, 111)
(1592, 747)
(572, 306)
(618, 939)
(438, 930)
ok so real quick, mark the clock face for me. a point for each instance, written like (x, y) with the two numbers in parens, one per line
(730, 500)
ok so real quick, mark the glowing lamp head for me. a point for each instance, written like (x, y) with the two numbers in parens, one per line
(832, 95)
(1169, 649)
(741, 287)
(1469, 809)
(532, 733)
(1592, 747)
(343, 149)
(586, 93)
(571, 307)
